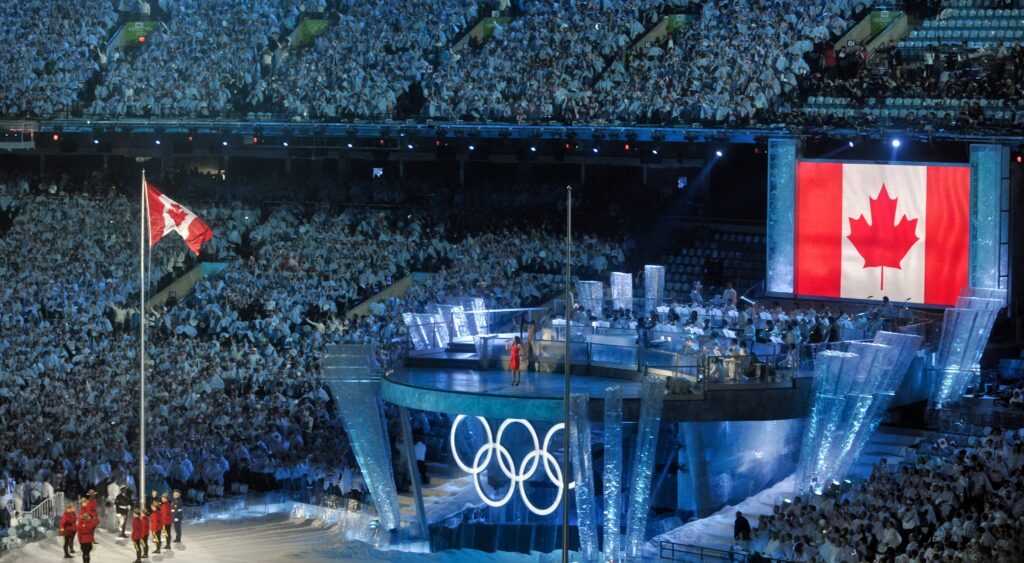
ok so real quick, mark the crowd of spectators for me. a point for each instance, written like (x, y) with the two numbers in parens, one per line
(541, 65)
(199, 63)
(49, 53)
(751, 62)
(972, 79)
(965, 502)
(737, 63)
(233, 383)
(366, 61)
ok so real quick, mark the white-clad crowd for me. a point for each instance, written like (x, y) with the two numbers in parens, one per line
(364, 61)
(197, 64)
(49, 53)
(963, 503)
(233, 384)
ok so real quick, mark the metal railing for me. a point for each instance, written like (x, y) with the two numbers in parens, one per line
(673, 551)
(49, 507)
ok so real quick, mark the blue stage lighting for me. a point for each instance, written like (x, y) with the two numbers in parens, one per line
(896, 143)
(718, 153)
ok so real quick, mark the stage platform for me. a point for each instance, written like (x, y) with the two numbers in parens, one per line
(539, 397)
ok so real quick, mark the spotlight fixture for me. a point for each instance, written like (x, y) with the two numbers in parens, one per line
(849, 144)
(472, 147)
(719, 153)
(896, 143)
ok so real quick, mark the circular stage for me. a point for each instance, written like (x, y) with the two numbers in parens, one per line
(539, 396)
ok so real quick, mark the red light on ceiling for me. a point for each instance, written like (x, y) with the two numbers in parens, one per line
(56, 137)
(1020, 159)
(142, 39)
(255, 140)
(190, 138)
(627, 146)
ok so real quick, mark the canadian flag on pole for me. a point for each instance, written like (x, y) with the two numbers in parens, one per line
(864, 231)
(167, 216)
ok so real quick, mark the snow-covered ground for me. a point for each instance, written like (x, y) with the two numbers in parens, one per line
(270, 538)
(715, 531)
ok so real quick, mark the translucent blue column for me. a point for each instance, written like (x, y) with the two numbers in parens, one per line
(583, 474)
(356, 394)
(651, 400)
(591, 296)
(987, 163)
(622, 290)
(613, 473)
(654, 286)
(965, 332)
(781, 203)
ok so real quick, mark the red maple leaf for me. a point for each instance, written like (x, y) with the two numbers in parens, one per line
(885, 243)
(177, 214)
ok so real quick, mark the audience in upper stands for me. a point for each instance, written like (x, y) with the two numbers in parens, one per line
(48, 54)
(965, 89)
(752, 62)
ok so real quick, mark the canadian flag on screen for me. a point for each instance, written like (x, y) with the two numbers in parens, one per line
(864, 231)
(167, 216)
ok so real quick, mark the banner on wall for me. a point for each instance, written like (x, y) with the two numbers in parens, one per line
(864, 231)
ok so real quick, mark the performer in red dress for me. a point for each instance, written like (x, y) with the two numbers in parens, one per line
(513, 361)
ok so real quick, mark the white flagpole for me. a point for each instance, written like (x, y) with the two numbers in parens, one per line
(142, 342)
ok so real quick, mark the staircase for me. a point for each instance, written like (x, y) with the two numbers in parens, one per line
(896, 445)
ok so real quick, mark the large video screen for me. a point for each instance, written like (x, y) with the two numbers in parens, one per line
(864, 231)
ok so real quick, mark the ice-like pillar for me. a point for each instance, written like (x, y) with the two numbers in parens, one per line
(591, 297)
(583, 474)
(622, 291)
(782, 163)
(651, 400)
(698, 464)
(357, 397)
(654, 286)
(828, 366)
(613, 473)
(965, 332)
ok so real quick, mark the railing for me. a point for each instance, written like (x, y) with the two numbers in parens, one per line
(683, 552)
(49, 507)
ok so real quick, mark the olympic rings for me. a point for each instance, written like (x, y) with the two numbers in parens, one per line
(517, 475)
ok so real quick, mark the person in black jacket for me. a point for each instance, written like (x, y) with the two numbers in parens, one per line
(741, 530)
(123, 506)
(176, 514)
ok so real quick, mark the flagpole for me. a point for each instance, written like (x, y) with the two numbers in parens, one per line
(142, 344)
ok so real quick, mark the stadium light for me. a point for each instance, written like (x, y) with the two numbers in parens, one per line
(719, 153)
(533, 149)
(896, 143)
(595, 150)
(850, 144)
(157, 141)
(472, 147)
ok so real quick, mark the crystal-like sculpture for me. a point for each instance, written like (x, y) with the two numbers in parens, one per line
(622, 291)
(654, 287)
(651, 400)
(613, 473)
(591, 297)
(583, 474)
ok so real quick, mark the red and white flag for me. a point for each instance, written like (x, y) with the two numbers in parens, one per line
(864, 231)
(167, 216)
